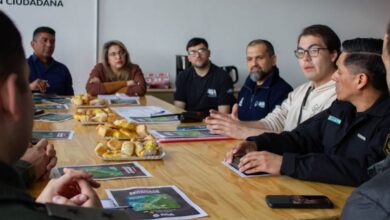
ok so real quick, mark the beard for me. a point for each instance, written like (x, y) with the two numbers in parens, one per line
(257, 74)
(201, 65)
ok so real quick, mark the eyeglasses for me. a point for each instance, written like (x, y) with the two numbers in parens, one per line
(119, 53)
(313, 52)
(198, 51)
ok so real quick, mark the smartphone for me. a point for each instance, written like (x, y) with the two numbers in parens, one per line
(299, 201)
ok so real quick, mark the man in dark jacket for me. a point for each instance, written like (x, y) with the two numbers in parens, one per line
(340, 143)
(372, 199)
(263, 88)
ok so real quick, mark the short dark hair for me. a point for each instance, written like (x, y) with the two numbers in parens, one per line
(330, 38)
(364, 55)
(12, 55)
(44, 29)
(268, 45)
(196, 41)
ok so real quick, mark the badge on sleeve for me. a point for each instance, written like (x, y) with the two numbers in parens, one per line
(386, 148)
(334, 119)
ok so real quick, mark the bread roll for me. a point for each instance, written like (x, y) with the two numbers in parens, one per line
(77, 100)
(100, 149)
(127, 148)
(142, 130)
(114, 144)
(100, 117)
(150, 148)
(139, 149)
(128, 133)
(104, 131)
(118, 134)
(97, 102)
(85, 118)
(111, 117)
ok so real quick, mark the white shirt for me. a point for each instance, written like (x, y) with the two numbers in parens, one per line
(285, 116)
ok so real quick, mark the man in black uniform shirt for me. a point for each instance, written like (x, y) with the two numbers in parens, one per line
(203, 86)
(372, 199)
(73, 188)
(340, 143)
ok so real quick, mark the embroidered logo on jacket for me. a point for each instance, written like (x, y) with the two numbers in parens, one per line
(260, 104)
(361, 137)
(241, 102)
(334, 119)
(212, 93)
(386, 148)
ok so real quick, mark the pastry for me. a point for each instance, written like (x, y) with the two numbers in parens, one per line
(150, 148)
(114, 144)
(142, 130)
(139, 149)
(104, 131)
(128, 148)
(100, 149)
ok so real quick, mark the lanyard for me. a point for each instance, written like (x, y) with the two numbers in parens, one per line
(304, 103)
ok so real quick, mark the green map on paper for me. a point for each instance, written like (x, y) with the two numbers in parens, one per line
(102, 172)
(152, 202)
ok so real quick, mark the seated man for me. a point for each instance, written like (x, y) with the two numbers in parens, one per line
(263, 88)
(340, 143)
(317, 50)
(203, 86)
(46, 74)
(372, 199)
(74, 188)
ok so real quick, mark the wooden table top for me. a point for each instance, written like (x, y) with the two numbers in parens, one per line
(197, 169)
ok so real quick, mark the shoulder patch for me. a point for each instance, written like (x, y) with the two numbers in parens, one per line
(386, 148)
(334, 119)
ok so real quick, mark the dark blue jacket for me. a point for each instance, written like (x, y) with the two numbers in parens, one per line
(57, 75)
(255, 102)
(334, 146)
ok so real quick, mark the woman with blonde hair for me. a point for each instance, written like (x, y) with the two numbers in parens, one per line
(116, 74)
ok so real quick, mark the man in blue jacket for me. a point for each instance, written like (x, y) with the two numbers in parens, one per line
(339, 144)
(46, 74)
(263, 88)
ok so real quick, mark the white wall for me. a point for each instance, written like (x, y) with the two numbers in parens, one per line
(75, 25)
(155, 31)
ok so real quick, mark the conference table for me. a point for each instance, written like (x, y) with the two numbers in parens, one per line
(196, 169)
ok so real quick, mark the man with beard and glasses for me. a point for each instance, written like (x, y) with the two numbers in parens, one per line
(263, 88)
(203, 86)
(317, 51)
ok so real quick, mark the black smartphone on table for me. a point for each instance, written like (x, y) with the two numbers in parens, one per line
(299, 201)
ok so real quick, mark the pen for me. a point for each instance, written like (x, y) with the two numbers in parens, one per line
(166, 115)
(157, 113)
